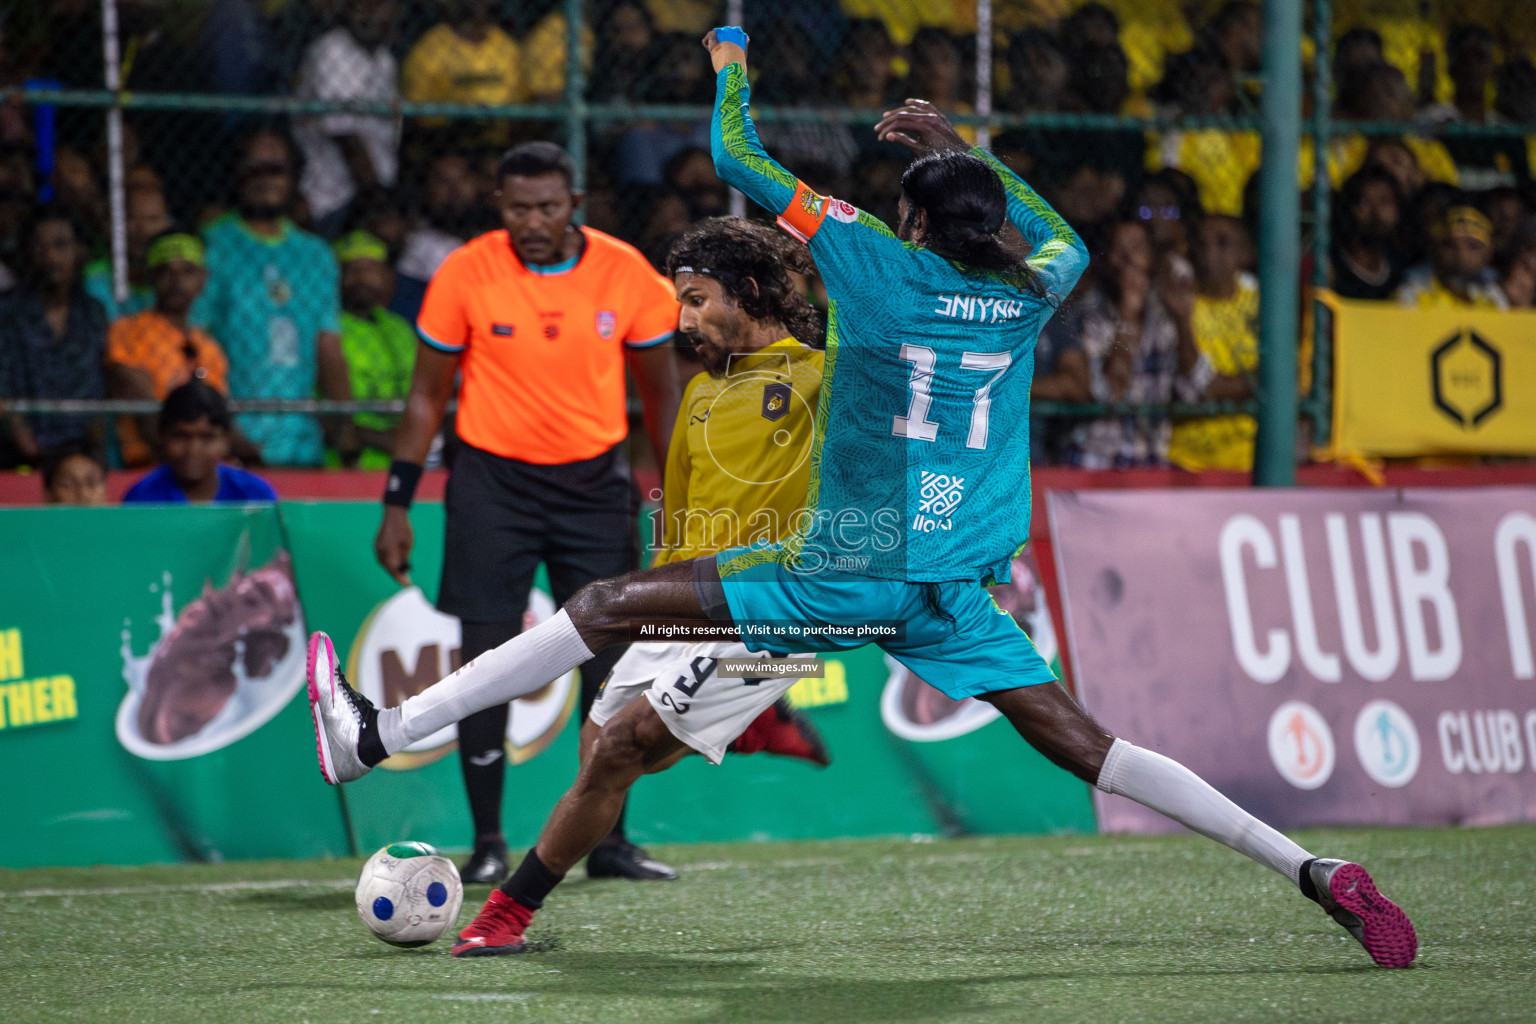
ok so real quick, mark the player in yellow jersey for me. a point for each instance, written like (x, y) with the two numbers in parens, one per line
(737, 471)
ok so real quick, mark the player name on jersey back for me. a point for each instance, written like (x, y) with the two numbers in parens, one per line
(980, 309)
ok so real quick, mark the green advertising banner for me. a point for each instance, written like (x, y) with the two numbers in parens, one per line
(153, 702)
(151, 670)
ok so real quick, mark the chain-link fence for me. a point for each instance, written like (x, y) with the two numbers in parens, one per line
(1137, 119)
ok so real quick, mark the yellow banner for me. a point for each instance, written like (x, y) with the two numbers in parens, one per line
(1410, 382)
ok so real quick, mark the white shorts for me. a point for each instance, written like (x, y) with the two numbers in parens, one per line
(702, 710)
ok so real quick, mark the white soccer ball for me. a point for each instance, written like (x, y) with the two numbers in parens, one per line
(408, 894)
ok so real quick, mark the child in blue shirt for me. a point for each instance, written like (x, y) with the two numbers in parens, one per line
(194, 434)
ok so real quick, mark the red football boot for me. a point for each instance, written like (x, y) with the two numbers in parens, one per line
(784, 731)
(497, 930)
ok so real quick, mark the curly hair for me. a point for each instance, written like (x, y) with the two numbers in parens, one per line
(734, 251)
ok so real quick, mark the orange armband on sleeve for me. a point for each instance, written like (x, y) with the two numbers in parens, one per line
(804, 214)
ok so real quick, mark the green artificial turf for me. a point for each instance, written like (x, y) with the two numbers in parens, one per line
(1021, 929)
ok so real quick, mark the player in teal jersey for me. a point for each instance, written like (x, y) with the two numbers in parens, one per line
(919, 496)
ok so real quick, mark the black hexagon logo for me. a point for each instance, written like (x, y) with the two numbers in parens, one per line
(1466, 373)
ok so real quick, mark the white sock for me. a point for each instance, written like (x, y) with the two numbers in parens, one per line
(1169, 788)
(518, 667)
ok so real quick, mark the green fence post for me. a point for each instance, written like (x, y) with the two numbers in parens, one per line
(1279, 244)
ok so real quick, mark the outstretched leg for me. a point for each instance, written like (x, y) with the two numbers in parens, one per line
(1057, 726)
(352, 736)
(598, 615)
(633, 743)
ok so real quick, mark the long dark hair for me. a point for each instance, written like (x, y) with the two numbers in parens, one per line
(732, 250)
(966, 206)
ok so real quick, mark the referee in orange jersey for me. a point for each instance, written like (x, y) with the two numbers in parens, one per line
(541, 319)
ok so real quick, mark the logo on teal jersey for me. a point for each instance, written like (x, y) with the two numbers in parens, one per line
(839, 210)
(939, 496)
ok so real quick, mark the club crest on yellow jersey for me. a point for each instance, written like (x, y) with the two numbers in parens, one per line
(775, 401)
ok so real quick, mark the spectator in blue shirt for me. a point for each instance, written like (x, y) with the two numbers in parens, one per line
(194, 433)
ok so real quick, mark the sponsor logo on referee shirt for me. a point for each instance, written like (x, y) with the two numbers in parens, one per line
(502, 330)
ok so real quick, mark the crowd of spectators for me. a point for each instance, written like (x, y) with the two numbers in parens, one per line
(287, 259)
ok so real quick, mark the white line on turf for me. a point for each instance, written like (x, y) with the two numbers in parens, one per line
(147, 890)
(486, 997)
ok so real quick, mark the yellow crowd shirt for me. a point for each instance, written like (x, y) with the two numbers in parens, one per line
(740, 459)
(544, 56)
(1226, 330)
(1222, 162)
(903, 18)
(1219, 162)
(1429, 293)
(692, 16)
(444, 67)
(1346, 155)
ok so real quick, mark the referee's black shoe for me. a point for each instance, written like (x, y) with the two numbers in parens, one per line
(488, 865)
(626, 860)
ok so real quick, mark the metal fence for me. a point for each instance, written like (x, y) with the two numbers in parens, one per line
(139, 113)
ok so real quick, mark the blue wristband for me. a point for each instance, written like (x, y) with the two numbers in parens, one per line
(732, 34)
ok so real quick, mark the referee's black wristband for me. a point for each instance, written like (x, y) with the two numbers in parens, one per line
(400, 488)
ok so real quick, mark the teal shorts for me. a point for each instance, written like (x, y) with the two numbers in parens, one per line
(964, 647)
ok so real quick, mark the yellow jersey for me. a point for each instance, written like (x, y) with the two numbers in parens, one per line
(1429, 293)
(740, 459)
(444, 67)
(1226, 331)
(544, 57)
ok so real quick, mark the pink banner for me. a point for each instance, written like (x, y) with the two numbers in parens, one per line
(1323, 657)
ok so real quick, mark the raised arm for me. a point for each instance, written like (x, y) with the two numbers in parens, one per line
(1056, 253)
(740, 159)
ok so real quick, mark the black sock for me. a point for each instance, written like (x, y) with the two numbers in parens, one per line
(531, 882)
(482, 759)
(1308, 888)
(370, 745)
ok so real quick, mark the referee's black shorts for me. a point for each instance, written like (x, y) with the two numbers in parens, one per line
(504, 517)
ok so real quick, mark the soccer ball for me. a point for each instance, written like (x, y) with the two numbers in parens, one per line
(409, 895)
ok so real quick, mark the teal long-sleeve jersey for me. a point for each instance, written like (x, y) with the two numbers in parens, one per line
(920, 462)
